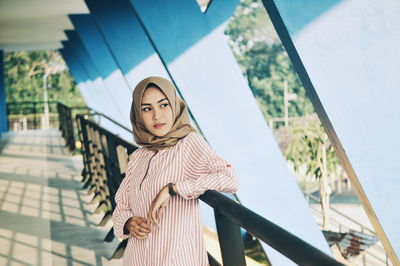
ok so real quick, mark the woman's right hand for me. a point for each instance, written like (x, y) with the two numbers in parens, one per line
(138, 227)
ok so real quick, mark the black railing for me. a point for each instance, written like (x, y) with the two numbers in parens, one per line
(105, 158)
(230, 214)
(26, 115)
(66, 125)
(66, 122)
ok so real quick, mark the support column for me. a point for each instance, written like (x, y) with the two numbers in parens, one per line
(3, 107)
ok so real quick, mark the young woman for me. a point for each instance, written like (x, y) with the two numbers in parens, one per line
(157, 206)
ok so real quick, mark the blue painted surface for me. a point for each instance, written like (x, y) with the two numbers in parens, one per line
(76, 72)
(193, 48)
(180, 24)
(3, 109)
(94, 43)
(127, 40)
(201, 63)
(87, 89)
(122, 30)
(351, 56)
(101, 90)
(81, 77)
(101, 56)
(298, 14)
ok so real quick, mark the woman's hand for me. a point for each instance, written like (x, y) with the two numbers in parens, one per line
(138, 227)
(158, 206)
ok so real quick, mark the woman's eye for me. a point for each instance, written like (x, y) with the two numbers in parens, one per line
(164, 104)
(146, 109)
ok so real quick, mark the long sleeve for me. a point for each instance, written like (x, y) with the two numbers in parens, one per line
(205, 170)
(123, 210)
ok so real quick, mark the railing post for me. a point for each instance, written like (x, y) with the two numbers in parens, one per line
(34, 116)
(87, 175)
(71, 130)
(230, 240)
(66, 125)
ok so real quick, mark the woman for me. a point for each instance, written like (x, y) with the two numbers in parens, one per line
(157, 205)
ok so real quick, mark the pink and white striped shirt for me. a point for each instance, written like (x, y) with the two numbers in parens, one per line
(195, 168)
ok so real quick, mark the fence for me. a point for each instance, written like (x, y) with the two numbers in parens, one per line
(105, 158)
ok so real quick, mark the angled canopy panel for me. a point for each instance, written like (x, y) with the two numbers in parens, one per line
(98, 50)
(346, 53)
(127, 40)
(202, 65)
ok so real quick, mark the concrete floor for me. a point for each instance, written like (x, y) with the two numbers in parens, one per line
(45, 218)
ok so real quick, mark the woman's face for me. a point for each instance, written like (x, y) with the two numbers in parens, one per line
(156, 112)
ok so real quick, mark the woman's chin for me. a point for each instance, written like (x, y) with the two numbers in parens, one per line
(159, 133)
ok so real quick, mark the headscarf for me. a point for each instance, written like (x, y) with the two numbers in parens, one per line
(181, 124)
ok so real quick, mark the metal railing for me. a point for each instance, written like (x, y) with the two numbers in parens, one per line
(66, 122)
(376, 252)
(105, 158)
(66, 125)
(26, 115)
(30, 115)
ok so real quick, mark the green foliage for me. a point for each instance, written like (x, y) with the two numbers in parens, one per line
(264, 61)
(24, 78)
(308, 146)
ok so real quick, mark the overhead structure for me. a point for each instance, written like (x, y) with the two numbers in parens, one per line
(110, 45)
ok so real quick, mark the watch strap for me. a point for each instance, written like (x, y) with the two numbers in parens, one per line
(171, 190)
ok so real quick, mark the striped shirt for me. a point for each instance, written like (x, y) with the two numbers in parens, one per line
(195, 168)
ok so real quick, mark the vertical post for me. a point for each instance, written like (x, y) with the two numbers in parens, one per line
(285, 102)
(230, 240)
(87, 174)
(34, 116)
(45, 100)
(3, 108)
(122, 158)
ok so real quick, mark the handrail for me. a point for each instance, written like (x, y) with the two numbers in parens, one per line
(368, 251)
(105, 160)
(378, 248)
(112, 120)
(344, 215)
(66, 108)
(278, 238)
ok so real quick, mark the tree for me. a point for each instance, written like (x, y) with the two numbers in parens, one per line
(24, 73)
(264, 61)
(309, 146)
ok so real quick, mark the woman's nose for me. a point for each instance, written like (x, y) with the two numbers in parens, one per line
(156, 114)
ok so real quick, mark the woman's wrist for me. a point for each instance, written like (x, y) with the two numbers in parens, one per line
(174, 186)
(171, 189)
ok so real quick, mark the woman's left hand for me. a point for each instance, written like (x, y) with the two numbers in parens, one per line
(158, 206)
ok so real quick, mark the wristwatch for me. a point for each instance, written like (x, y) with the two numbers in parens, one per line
(171, 190)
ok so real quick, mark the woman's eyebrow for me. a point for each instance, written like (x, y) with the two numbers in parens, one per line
(157, 102)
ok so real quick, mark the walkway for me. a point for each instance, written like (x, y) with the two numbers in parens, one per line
(45, 218)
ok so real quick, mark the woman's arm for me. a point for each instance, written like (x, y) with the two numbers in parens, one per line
(122, 212)
(205, 170)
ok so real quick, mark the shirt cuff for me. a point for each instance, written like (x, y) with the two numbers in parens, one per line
(121, 234)
(184, 190)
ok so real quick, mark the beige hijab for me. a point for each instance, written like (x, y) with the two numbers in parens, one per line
(181, 126)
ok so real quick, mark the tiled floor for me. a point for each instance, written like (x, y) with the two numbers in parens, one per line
(45, 218)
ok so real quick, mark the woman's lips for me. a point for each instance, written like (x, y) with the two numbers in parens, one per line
(159, 125)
